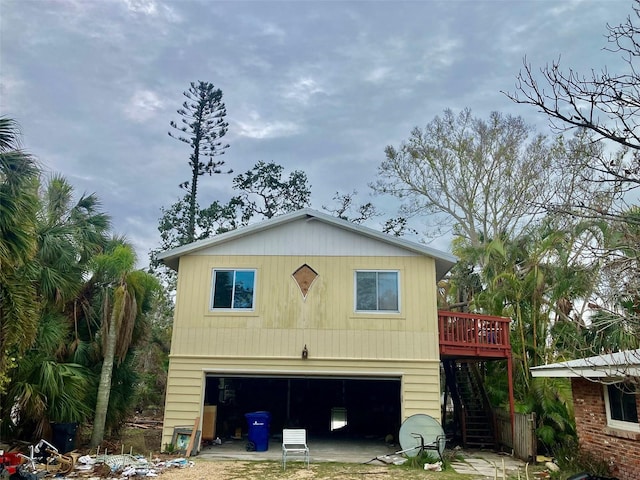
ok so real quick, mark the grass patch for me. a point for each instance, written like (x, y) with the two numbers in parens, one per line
(572, 460)
(331, 471)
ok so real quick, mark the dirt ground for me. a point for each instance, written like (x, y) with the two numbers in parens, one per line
(239, 470)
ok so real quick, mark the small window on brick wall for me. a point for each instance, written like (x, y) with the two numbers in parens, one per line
(622, 411)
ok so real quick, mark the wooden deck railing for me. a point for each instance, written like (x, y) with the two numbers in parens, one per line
(473, 335)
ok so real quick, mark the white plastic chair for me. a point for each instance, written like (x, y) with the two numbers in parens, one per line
(294, 442)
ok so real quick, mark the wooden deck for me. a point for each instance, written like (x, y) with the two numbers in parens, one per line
(471, 335)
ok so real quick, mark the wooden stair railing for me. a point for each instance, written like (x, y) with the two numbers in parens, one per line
(472, 420)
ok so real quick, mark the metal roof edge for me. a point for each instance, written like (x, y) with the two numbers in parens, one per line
(169, 257)
(615, 364)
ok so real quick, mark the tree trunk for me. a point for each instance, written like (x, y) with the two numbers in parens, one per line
(104, 388)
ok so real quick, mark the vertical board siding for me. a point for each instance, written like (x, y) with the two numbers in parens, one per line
(324, 320)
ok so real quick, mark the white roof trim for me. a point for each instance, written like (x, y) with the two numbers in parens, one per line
(444, 261)
(608, 365)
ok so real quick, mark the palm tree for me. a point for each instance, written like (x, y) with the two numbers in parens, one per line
(19, 174)
(49, 384)
(535, 279)
(69, 235)
(45, 389)
(126, 296)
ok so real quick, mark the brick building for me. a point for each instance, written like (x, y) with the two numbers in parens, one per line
(606, 401)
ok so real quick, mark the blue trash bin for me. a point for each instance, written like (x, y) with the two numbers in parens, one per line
(259, 423)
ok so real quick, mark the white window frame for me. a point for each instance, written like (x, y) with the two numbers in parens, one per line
(619, 424)
(232, 308)
(377, 311)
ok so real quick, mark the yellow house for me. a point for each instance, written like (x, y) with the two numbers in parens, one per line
(325, 324)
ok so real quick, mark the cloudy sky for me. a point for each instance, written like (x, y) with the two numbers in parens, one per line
(319, 86)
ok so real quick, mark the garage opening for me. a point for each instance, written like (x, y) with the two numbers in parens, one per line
(348, 407)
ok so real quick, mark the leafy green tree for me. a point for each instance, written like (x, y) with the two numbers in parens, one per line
(214, 219)
(464, 281)
(52, 283)
(174, 224)
(19, 308)
(264, 193)
(535, 280)
(152, 354)
(220, 217)
(45, 390)
(202, 126)
(552, 402)
(69, 234)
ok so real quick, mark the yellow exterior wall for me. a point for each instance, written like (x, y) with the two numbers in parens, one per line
(271, 338)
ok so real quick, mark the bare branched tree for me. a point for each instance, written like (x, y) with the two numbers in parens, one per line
(484, 178)
(602, 102)
(346, 208)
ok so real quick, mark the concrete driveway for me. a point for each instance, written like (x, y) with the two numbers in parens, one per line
(321, 450)
(474, 462)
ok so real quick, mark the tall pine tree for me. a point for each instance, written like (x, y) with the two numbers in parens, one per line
(201, 127)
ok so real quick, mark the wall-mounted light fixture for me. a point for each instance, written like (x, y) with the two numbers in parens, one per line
(305, 353)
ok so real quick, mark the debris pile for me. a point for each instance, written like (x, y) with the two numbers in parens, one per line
(44, 461)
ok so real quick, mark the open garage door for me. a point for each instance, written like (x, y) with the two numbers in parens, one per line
(325, 406)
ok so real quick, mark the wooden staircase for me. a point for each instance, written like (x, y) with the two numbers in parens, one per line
(474, 422)
(467, 340)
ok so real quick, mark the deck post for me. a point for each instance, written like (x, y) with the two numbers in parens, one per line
(512, 409)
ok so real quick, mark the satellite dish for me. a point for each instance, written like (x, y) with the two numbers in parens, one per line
(421, 432)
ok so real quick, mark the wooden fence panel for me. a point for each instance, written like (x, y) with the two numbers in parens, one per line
(525, 444)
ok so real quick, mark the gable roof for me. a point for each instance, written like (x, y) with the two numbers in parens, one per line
(444, 261)
(619, 364)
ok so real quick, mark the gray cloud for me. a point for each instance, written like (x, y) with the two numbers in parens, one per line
(321, 86)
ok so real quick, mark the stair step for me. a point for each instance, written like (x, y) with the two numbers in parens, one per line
(479, 444)
(475, 426)
(468, 388)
